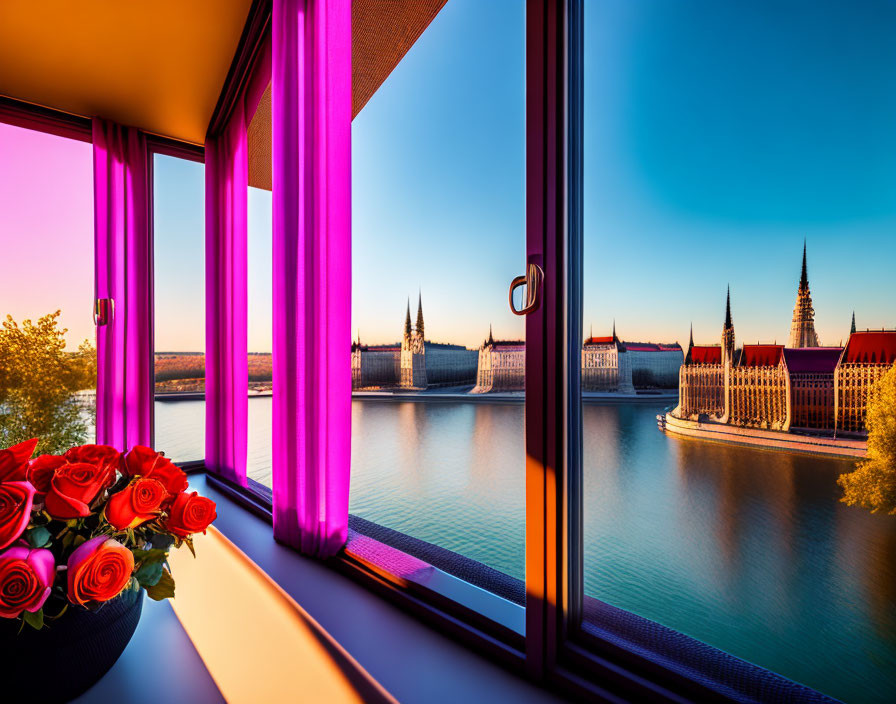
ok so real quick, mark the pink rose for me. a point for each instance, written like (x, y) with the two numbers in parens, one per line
(26, 576)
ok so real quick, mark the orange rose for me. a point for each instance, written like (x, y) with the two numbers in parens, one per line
(98, 570)
(73, 487)
(143, 461)
(137, 503)
(190, 513)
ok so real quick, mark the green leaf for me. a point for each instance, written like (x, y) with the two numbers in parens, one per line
(78, 540)
(154, 555)
(163, 589)
(149, 574)
(35, 620)
(38, 537)
(67, 540)
(162, 541)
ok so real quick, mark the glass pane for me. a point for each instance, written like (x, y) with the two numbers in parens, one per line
(179, 292)
(47, 338)
(721, 139)
(438, 224)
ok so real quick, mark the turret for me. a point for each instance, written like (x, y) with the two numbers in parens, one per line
(407, 320)
(419, 315)
(802, 328)
(728, 332)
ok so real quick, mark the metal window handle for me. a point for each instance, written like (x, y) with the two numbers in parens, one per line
(102, 311)
(533, 278)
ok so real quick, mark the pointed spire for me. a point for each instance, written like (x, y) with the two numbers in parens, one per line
(591, 332)
(728, 323)
(491, 338)
(852, 328)
(420, 313)
(804, 276)
(407, 319)
(691, 341)
(614, 328)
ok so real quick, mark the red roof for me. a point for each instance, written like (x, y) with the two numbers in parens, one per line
(812, 360)
(706, 354)
(600, 340)
(650, 347)
(761, 355)
(871, 348)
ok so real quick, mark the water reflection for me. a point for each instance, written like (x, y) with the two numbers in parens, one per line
(748, 550)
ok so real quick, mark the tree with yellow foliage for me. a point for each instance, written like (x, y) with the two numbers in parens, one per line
(39, 382)
(873, 484)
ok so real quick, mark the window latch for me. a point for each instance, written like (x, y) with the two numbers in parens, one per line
(102, 311)
(532, 280)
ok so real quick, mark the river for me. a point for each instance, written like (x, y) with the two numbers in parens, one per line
(745, 549)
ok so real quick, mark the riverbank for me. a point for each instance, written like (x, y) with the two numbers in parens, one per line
(763, 439)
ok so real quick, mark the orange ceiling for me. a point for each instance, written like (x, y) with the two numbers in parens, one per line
(158, 65)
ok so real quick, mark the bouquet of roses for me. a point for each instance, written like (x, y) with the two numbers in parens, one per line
(81, 528)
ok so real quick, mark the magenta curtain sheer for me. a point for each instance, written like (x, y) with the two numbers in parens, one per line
(123, 254)
(226, 285)
(312, 108)
(226, 291)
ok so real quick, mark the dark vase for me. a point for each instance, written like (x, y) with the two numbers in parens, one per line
(65, 658)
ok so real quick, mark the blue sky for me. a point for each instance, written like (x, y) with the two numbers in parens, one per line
(718, 136)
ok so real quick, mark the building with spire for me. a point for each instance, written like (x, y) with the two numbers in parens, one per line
(415, 363)
(802, 328)
(772, 387)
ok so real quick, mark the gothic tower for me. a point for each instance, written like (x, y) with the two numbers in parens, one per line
(728, 332)
(852, 328)
(802, 329)
(420, 315)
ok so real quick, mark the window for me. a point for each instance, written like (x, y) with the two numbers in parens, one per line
(438, 221)
(47, 338)
(179, 293)
(729, 144)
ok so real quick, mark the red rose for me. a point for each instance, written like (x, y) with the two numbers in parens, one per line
(14, 461)
(190, 513)
(73, 487)
(137, 503)
(98, 570)
(16, 499)
(93, 454)
(145, 462)
(26, 577)
(40, 471)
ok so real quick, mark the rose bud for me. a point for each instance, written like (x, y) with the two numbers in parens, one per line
(137, 503)
(73, 487)
(190, 513)
(93, 454)
(143, 461)
(16, 500)
(26, 577)
(98, 570)
(41, 470)
(14, 461)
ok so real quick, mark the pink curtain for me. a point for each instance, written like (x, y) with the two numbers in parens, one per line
(123, 252)
(226, 286)
(312, 107)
